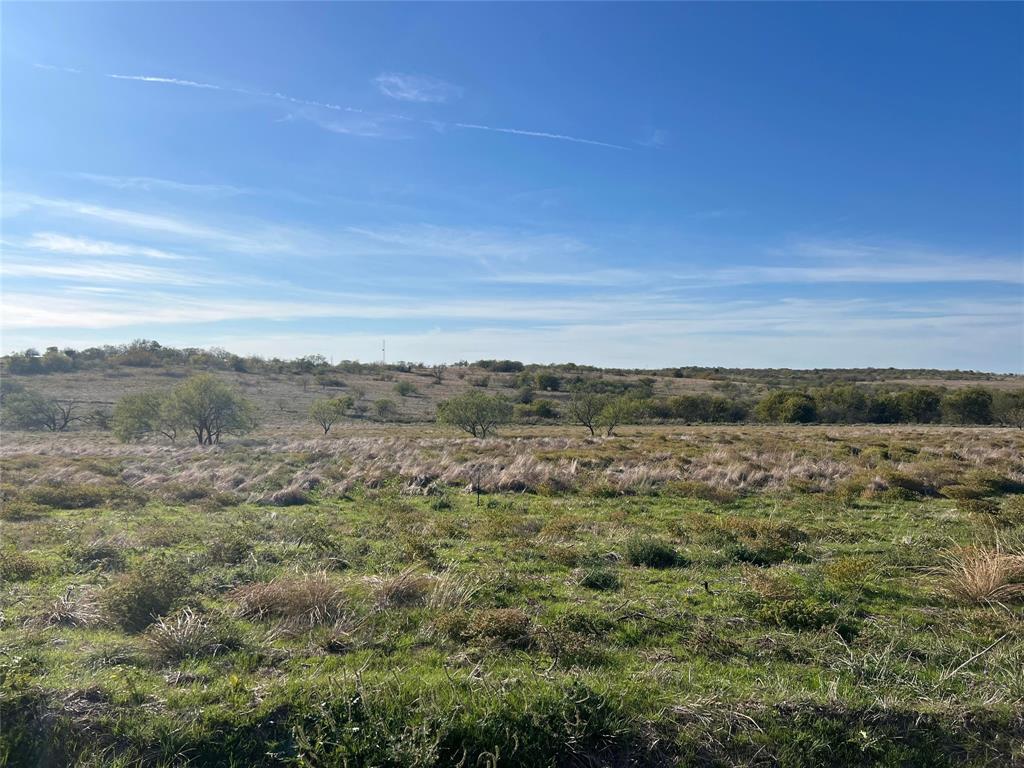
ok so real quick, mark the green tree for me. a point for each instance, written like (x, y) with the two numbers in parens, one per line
(32, 411)
(1008, 408)
(616, 411)
(585, 408)
(971, 405)
(919, 405)
(474, 412)
(327, 411)
(405, 388)
(385, 408)
(144, 413)
(210, 409)
(203, 405)
(786, 406)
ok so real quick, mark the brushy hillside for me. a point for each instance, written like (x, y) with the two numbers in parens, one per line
(396, 596)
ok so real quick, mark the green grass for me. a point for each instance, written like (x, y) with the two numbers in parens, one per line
(381, 629)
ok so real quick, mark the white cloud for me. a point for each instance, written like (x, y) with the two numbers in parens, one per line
(168, 81)
(82, 246)
(538, 134)
(148, 184)
(417, 88)
(103, 272)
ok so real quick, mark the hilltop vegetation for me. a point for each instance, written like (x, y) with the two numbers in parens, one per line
(59, 390)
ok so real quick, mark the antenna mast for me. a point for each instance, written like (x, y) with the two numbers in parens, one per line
(383, 352)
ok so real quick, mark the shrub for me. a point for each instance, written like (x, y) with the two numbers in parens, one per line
(786, 406)
(600, 579)
(801, 614)
(137, 598)
(653, 553)
(759, 541)
(82, 496)
(849, 572)
(17, 566)
(405, 389)
(17, 510)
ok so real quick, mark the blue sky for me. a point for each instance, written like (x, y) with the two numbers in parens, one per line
(621, 184)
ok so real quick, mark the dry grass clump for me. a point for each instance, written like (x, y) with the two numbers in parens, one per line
(309, 599)
(408, 587)
(452, 591)
(187, 634)
(71, 610)
(979, 575)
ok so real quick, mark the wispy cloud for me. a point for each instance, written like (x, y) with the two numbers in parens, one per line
(538, 134)
(82, 246)
(436, 124)
(417, 88)
(149, 183)
(168, 81)
(104, 272)
(656, 138)
(254, 240)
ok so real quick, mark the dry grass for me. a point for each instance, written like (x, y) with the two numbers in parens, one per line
(185, 634)
(410, 586)
(452, 591)
(307, 600)
(979, 575)
(73, 609)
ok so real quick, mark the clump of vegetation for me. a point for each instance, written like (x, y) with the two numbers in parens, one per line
(974, 574)
(17, 566)
(304, 600)
(137, 598)
(653, 553)
(407, 587)
(328, 411)
(187, 634)
(599, 578)
(801, 614)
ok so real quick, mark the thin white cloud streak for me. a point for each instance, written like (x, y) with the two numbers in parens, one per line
(104, 272)
(158, 80)
(167, 81)
(538, 134)
(149, 183)
(265, 240)
(417, 88)
(83, 246)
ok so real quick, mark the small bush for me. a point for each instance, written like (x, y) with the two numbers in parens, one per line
(18, 510)
(83, 496)
(506, 627)
(17, 566)
(849, 572)
(801, 615)
(600, 579)
(137, 598)
(653, 553)
(105, 553)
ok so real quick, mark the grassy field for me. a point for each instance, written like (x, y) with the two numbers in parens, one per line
(399, 596)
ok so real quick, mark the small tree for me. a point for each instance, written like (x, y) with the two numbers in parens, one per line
(405, 388)
(30, 410)
(972, 405)
(1008, 408)
(329, 410)
(585, 409)
(385, 408)
(787, 406)
(474, 412)
(618, 410)
(210, 409)
(437, 372)
(203, 405)
(144, 413)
